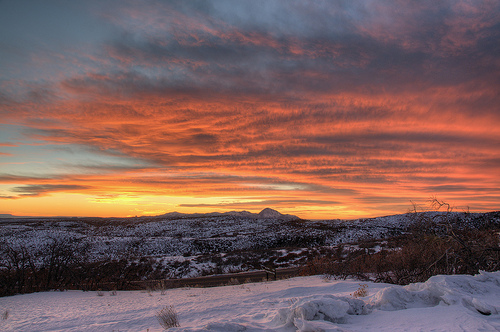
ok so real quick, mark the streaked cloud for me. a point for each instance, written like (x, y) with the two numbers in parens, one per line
(40, 189)
(366, 105)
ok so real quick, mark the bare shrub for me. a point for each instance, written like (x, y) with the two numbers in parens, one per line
(233, 281)
(362, 291)
(163, 285)
(5, 314)
(167, 317)
(100, 293)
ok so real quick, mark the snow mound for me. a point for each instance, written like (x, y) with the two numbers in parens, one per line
(473, 292)
(328, 308)
(224, 327)
(478, 294)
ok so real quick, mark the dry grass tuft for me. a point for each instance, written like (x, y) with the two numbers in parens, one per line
(167, 317)
(362, 291)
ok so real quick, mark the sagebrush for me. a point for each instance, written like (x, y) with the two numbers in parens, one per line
(167, 317)
(362, 291)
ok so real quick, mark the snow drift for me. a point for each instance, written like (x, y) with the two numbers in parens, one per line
(469, 291)
(480, 294)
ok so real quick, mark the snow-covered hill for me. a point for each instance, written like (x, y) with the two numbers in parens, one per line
(443, 303)
(179, 245)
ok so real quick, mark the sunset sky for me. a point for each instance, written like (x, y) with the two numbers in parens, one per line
(322, 109)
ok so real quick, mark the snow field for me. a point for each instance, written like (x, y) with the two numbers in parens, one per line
(443, 303)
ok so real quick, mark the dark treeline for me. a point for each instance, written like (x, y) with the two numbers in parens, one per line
(63, 263)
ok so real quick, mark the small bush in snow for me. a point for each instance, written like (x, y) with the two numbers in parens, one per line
(5, 314)
(233, 281)
(167, 317)
(362, 291)
(163, 285)
(100, 293)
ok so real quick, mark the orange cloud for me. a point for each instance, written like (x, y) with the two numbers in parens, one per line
(333, 110)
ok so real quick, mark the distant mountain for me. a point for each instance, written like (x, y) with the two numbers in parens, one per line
(6, 215)
(11, 216)
(267, 213)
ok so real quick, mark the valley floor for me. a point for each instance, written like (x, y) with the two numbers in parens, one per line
(443, 303)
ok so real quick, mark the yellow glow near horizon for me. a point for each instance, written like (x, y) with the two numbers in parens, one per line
(78, 205)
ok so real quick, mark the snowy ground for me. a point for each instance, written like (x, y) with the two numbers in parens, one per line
(181, 246)
(443, 303)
